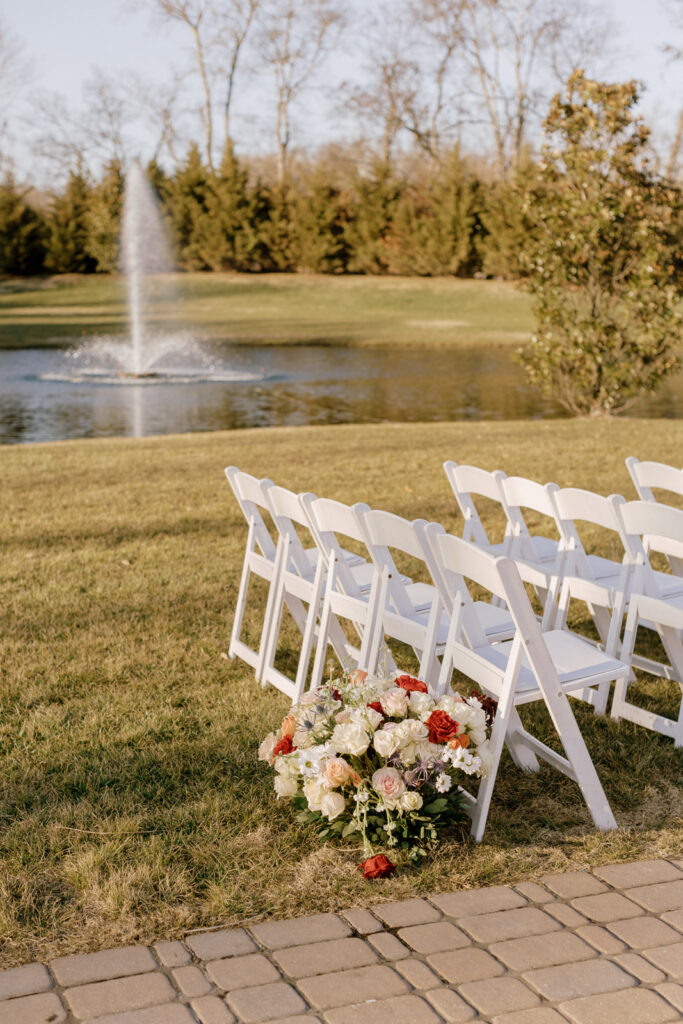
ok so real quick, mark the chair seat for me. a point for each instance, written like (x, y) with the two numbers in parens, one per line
(546, 548)
(575, 661)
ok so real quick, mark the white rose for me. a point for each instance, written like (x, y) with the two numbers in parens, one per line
(394, 702)
(424, 750)
(421, 704)
(314, 791)
(265, 751)
(385, 742)
(343, 716)
(374, 717)
(410, 801)
(332, 805)
(285, 786)
(350, 739)
(412, 730)
(388, 783)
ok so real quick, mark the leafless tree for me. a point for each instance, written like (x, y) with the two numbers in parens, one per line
(674, 52)
(218, 29)
(294, 36)
(15, 76)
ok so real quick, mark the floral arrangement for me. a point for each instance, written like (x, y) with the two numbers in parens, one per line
(379, 759)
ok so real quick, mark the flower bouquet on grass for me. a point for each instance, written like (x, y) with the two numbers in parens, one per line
(379, 759)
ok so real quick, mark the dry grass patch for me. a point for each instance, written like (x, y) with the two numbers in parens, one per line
(132, 807)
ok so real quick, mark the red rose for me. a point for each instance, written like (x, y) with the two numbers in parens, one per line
(376, 706)
(376, 867)
(285, 746)
(441, 727)
(488, 704)
(411, 685)
(336, 695)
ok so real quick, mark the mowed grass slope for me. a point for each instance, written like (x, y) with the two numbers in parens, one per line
(132, 805)
(273, 309)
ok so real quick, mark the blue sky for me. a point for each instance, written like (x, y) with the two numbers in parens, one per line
(67, 39)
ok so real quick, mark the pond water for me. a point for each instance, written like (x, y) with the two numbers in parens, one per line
(42, 399)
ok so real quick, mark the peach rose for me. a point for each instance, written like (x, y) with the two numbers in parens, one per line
(288, 727)
(338, 772)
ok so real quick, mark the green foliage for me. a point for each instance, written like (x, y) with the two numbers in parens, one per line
(22, 233)
(368, 231)
(604, 261)
(507, 224)
(188, 207)
(68, 246)
(320, 218)
(104, 218)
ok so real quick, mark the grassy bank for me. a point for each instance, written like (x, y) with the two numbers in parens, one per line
(132, 806)
(275, 309)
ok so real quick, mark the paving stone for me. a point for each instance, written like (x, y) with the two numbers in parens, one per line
(534, 892)
(642, 932)
(667, 958)
(639, 968)
(130, 993)
(44, 1008)
(265, 1002)
(24, 981)
(537, 1015)
(405, 913)
(478, 901)
(565, 914)
(459, 966)
(571, 981)
(319, 957)
(300, 1018)
(191, 981)
(216, 945)
(388, 946)
(632, 1006)
(658, 898)
(242, 972)
(508, 924)
(399, 1010)
(674, 918)
(300, 930)
(601, 939)
(325, 991)
(169, 1013)
(542, 951)
(417, 973)
(609, 906)
(450, 1006)
(499, 995)
(212, 1010)
(362, 921)
(673, 993)
(639, 872)
(84, 968)
(571, 884)
(434, 938)
(172, 954)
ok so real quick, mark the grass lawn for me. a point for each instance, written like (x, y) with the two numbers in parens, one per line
(132, 806)
(274, 309)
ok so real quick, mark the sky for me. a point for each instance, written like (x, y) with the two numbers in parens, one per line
(67, 39)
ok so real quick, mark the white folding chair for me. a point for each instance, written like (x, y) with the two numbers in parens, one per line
(300, 578)
(466, 481)
(518, 494)
(649, 475)
(259, 560)
(650, 608)
(533, 666)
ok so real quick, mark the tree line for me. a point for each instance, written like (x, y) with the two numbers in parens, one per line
(422, 219)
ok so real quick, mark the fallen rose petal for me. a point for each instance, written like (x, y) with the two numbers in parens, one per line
(377, 867)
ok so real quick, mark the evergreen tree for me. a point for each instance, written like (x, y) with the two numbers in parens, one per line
(604, 262)
(230, 237)
(368, 231)
(187, 204)
(23, 233)
(104, 218)
(68, 248)
(276, 229)
(320, 216)
(507, 223)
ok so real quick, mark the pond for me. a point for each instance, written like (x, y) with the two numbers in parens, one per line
(43, 399)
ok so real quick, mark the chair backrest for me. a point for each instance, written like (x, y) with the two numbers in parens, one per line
(466, 481)
(662, 525)
(384, 530)
(572, 504)
(646, 475)
(518, 494)
(252, 498)
(287, 513)
(328, 519)
(460, 561)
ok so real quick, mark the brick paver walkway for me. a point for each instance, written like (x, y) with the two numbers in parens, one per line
(600, 947)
